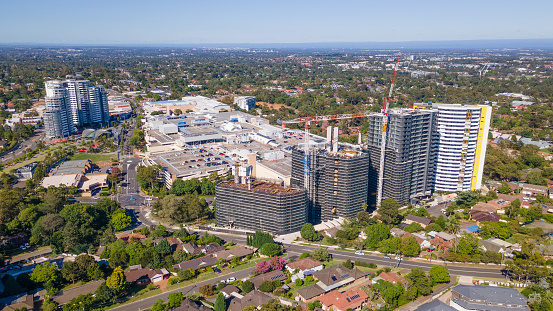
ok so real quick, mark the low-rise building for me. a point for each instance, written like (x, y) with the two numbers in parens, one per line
(435, 305)
(137, 274)
(391, 277)
(485, 298)
(64, 296)
(276, 275)
(198, 263)
(329, 279)
(342, 301)
(239, 252)
(254, 298)
(417, 219)
(306, 266)
(534, 190)
(480, 216)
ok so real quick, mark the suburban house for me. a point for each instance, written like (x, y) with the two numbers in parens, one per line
(175, 243)
(492, 245)
(130, 236)
(485, 207)
(421, 240)
(239, 252)
(189, 305)
(534, 190)
(25, 301)
(442, 239)
(137, 274)
(329, 279)
(480, 216)
(434, 305)
(500, 204)
(198, 263)
(306, 266)
(229, 289)
(480, 297)
(193, 249)
(269, 276)
(396, 232)
(254, 298)
(391, 277)
(64, 296)
(420, 220)
(342, 301)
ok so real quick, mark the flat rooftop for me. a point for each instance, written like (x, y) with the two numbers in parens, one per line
(282, 167)
(192, 161)
(71, 167)
(260, 186)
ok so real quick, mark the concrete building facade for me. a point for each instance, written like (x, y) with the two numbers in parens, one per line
(245, 102)
(57, 114)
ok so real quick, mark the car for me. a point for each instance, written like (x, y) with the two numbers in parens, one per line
(132, 199)
(359, 253)
(22, 247)
(232, 279)
(217, 270)
(148, 199)
(387, 257)
(398, 258)
(95, 198)
(27, 245)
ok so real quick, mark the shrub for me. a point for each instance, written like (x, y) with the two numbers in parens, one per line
(298, 282)
(277, 283)
(267, 287)
(309, 278)
(371, 265)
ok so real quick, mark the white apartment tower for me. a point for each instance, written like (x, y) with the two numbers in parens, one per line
(78, 97)
(460, 146)
(245, 102)
(57, 114)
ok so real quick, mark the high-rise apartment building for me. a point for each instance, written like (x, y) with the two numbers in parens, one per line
(245, 102)
(409, 156)
(88, 104)
(338, 182)
(57, 114)
(460, 146)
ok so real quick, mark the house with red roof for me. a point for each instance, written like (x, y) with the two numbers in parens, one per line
(342, 301)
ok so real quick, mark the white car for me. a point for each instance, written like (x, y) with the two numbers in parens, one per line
(232, 279)
(359, 253)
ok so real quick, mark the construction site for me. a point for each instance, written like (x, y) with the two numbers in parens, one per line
(251, 205)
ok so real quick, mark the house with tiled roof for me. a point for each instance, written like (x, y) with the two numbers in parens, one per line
(391, 277)
(130, 236)
(137, 274)
(329, 279)
(342, 301)
(423, 221)
(480, 216)
(198, 263)
(239, 252)
(276, 275)
(305, 266)
(254, 298)
(480, 297)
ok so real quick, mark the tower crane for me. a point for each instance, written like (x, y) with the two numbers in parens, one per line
(385, 102)
(308, 120)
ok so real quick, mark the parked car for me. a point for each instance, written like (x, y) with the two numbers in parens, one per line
(232, 279)
(387, 257)
(359, 253)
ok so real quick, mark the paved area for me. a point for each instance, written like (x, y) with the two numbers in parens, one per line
(465, 280)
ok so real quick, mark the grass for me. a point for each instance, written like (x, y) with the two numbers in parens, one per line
(21, 164)
(136, 298)
(294, 288)
(93, 157)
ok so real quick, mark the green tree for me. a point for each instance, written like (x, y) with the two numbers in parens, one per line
(320, 254)
(410, 247)
(309, 233)
(259, 238)
(417, 279)
(267, 287)
(164, 248)
(505, 188)
(220, 304)
(348, 264)
(247, 286)
(70, 271)
(158, 305)
(45, 273)
(535, 178)
(94, 272)
(390, 246)
(270, 249)
(175, 300)
(438, 275)
(206, 290)
(467, 245)
(120, 220)
(375, 234)
(116, 280)
(389, 211)
(389, 292)
(413, 227)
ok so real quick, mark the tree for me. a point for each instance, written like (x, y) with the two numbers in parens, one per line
(70, 271)
(175, 300)
(363, 217)
(535, 178)
(158, 305)
(94, 272)
(389, 211)
(418, 280)
(388, 291)
(375, 234)
(413, 227)
(410, 247)
(438, 274)
(276, 263)
(314, 304)
(259, 238)
(120, 220)
(390, 246)
(45, 273)
(206, 290)
(467, 245)
(116, 280)
(309, 233)
(496, 229)
(164, 248)
(505, 188)
(298, 282)
(270, 249)
(81, 302)
(186, 274)
(220, 304)
(321, 254)
(348, 264)
(247, 286)
(267, 287)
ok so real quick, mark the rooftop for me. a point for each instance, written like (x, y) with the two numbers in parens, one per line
(259, 186)
(71, 167)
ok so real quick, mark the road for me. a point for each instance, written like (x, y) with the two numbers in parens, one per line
(148, 302)
(27, 145)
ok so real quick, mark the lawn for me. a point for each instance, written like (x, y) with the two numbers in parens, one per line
(21, 164)
(93, 157)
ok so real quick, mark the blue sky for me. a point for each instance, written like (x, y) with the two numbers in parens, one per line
(186, 22)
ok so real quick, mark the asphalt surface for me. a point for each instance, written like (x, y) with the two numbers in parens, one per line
(27, 145)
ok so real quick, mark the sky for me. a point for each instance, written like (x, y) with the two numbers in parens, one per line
(212, 21)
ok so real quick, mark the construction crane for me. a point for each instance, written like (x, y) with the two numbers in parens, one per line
(308, 120)
(385, 104)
